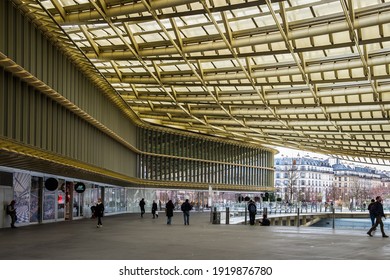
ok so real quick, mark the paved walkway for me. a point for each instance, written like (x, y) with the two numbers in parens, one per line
(128, 237)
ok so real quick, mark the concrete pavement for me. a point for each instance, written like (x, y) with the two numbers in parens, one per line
(128, 237)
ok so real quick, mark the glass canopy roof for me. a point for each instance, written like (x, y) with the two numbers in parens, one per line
(304, 74)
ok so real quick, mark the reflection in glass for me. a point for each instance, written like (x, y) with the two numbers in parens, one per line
(34, 199)
(61, 200)
(49, 203)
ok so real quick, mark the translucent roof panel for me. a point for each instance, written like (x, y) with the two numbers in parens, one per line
(305, 74)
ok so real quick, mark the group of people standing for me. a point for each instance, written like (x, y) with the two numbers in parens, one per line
(186, 207)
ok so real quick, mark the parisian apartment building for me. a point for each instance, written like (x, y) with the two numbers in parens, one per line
(309, 179)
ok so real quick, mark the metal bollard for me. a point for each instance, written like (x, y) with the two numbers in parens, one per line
(333, 217)
(246, 214)
(227, 215)
(298, 223)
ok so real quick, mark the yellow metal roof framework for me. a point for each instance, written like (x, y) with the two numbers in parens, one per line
(303, 74)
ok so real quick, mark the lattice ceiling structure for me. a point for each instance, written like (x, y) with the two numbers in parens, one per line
(304, 74)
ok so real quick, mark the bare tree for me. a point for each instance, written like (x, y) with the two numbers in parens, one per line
(358, 190)
(379, 190)
(332, 192)
(292, 189)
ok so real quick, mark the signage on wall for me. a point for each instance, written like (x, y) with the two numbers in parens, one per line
(79, 187)
(51, 184)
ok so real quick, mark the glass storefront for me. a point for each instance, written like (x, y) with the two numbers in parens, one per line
(61, 197)
(49, 205)
(90, 198)
(55, 202)
(77, 204)
(37, 204)
(22, 182)
(36, 183)
(115, 199)
(164, 157)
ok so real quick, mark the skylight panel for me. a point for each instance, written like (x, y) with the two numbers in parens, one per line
(211, 29)
(152, 37)
(149, 26)
(315, 54)
(194, 32)
(223, 64)
(139, 70)
(338, 51)
(302, 2)
(195, 20)
(371, 32)
(253, 11)
(284, 57)
(183, 67)
(365, 3)
(47, 4)
(168, 68)
(266, 20)
(328, 8)
(104, 42)
(243, 24)
(300, 14)
(265, 59)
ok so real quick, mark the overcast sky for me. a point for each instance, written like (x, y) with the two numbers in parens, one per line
(294, 153)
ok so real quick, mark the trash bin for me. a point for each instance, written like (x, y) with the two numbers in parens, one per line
(216, 217)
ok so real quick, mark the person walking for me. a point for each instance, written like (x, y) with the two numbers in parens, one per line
(169, 211)
(142, 206)
(11, 211)
(252, 209)
(99, 212)
(372, 214)
(186, 207)
(377, 209)
(154, 209)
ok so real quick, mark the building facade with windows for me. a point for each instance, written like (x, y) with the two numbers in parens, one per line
(328, 180)
(302, 179)
(354, 185)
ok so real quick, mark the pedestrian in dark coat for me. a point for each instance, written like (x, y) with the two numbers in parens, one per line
(370, 210)
(99, 212)
(142, 206)
(252, 212)
(186, 207)
(154, 209)
(11, 211)
(169, 211)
